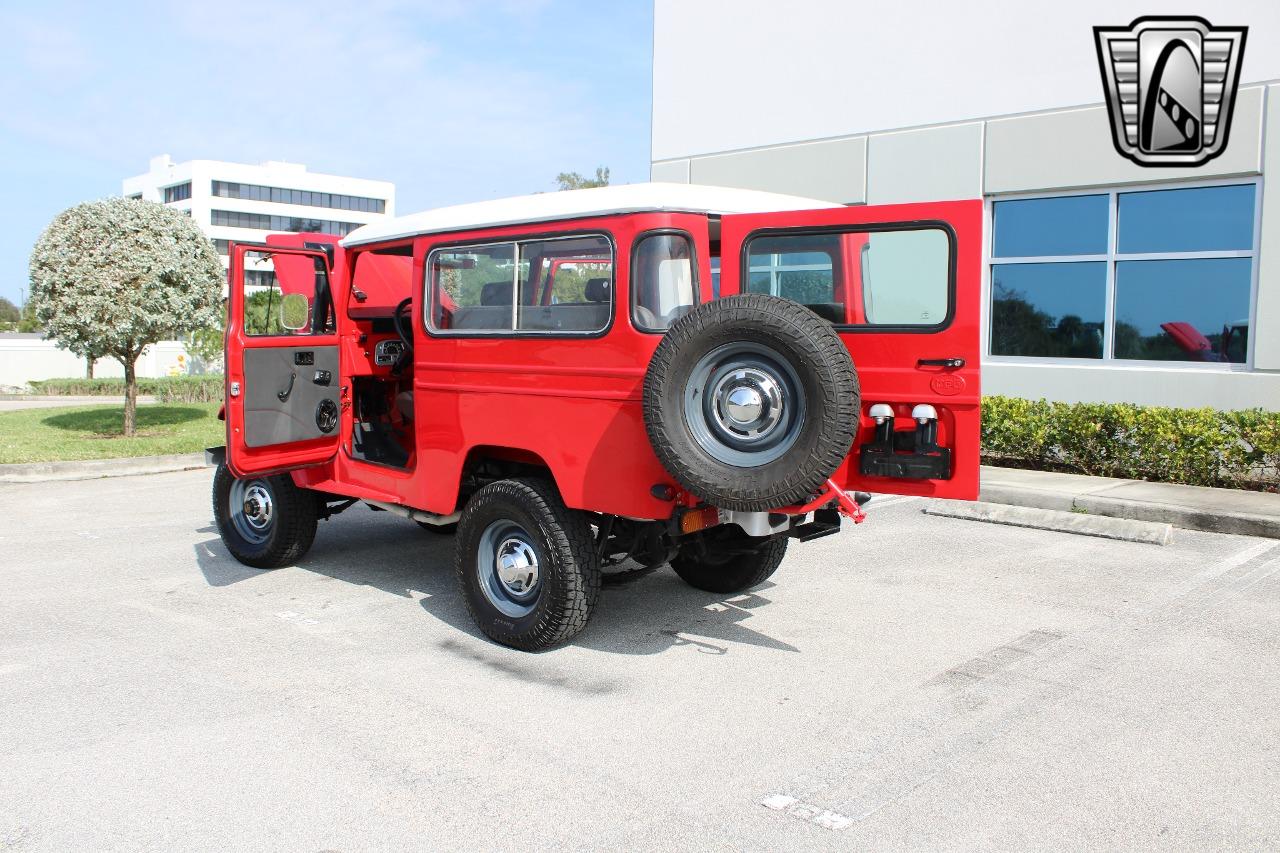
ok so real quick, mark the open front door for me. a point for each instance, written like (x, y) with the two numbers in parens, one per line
(901, 284)
(284, 391)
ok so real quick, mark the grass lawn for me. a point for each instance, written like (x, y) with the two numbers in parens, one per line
(93, 432)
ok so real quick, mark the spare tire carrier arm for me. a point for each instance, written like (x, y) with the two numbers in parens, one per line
(845, 502)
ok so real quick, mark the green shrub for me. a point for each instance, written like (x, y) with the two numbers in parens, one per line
(166, 389)
(1199, 447)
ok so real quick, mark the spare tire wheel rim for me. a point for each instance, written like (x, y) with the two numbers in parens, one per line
(744, 404)
(508, 569)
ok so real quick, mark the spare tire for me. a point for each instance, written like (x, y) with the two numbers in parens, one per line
(751, 402)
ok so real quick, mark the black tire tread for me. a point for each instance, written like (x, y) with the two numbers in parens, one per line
(794, 327)
(740, 573)
(565, 532)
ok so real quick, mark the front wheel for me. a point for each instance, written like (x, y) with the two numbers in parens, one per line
(728, 563)
(526, 564)
(265, 522)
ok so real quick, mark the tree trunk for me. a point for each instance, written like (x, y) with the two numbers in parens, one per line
(130, 394)
(88, 367)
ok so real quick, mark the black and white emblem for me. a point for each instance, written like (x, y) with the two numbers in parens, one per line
(1171, 86)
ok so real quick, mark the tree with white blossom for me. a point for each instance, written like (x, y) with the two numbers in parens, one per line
(112, 277)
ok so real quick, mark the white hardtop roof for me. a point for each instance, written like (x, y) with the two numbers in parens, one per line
(575, 204)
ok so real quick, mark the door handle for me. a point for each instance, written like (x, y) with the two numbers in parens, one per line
(949, 363)
(284, 395)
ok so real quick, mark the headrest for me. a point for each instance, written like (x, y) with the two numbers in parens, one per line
(597, 290)
(496, 293)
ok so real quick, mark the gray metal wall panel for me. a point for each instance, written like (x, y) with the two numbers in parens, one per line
(1181, 387)
(933, 164)
(675, 172)
(1063, 150)
(1267, 333)
(832, 171)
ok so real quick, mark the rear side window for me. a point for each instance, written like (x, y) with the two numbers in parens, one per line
(562, 285)
(663, 282)
(898, 278)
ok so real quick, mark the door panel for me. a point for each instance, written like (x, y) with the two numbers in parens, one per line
(285, 390)
(902, 286)
(292, 394)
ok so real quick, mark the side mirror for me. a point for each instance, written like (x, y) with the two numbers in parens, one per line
(295, 311)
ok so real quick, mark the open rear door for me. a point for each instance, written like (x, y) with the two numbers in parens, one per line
(901, 284)
(284, 391)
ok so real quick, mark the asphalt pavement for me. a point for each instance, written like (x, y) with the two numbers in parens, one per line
(915, 682)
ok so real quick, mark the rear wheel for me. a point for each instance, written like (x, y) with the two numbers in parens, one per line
(729, 562)
(265, 522)
(526, 564)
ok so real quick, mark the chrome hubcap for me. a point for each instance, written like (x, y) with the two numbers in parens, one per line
(517, 566)
(507, 568)
(748, 402)
(252, 510)
(257, 506)
(744, 404)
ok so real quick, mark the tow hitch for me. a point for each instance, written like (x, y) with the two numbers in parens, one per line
(827, 508)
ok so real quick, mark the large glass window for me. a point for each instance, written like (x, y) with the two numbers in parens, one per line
(1048, 309)
(285, 295)
(565, 285)
(1172, 284)
(874, 278)
(310, 198)
(663, 281)
(537, 286)
(1044, 227)
(271, 222)
(177, 192)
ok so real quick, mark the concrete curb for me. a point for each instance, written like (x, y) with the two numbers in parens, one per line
(92, 469)
(1190, 507)
(1126, 530)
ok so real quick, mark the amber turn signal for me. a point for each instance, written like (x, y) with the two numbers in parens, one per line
(699, 519)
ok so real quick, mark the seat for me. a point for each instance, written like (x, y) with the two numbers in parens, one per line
(596, 290)
(404, 405)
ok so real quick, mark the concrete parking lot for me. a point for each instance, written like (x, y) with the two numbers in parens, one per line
(917, 682)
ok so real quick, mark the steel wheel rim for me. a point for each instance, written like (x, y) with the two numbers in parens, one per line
(252, 506)
(744, 404)
(508, 568)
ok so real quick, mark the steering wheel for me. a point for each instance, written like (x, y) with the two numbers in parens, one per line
(404, 326)
(404, 330)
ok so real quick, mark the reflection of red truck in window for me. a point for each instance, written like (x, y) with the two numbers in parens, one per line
(554, 378)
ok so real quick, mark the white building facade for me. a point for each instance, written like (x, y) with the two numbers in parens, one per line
(244, 203)
(1089, 259)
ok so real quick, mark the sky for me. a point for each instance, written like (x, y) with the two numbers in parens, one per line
(453, 100)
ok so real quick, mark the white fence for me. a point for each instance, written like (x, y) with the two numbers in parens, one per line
(28, 357)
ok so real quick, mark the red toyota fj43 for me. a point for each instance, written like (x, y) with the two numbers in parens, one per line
(654, 372)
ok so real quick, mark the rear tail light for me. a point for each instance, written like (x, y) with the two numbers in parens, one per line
(699, 519)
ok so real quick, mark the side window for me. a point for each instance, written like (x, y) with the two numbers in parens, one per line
(558, 285)
(286, 295)
(471, 288)
(663, 284)
(864, 278)
(565, 285)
